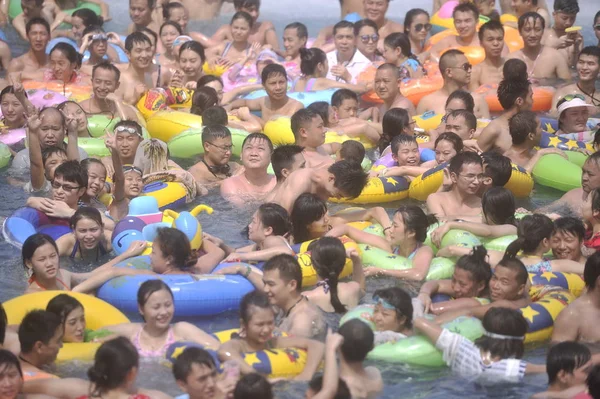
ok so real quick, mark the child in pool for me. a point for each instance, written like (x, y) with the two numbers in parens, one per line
(408, 232)
(73, 111)
(351, 150)
(97, 185)
(396, 121)
(468, 287)
(590, 210)
(257, 324)
(344, 119)
(100, 47)
(72, 316)
(397, 51)
(493, 358)
(447, 145)
(89, 240)
(351, 127)
(42, 264)
(392, 315)
(405, 152)
(153, 337)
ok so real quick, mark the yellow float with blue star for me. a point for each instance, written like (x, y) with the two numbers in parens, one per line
(379, 190)
(547, 302)
(569, 281)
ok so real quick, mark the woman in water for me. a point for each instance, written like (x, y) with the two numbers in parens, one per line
(72, 315)
(153, 337)
(395, 121)
(392, 315)
(239, 47)
(99, 46)
(13, 117)
(257, 324)
(447, 145)
(42, 264)
(417, 28)
(167, 34)
(64, 65)
(225, 98)
(80, 20)
(72, 110)
(88, 241)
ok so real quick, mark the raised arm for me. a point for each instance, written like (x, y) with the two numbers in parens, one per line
(360, 236)
(189, 332)
(36, 170)
(331, 374)
(232, 350)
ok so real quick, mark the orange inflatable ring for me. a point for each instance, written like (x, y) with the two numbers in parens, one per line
(542, 98)
(73, 92)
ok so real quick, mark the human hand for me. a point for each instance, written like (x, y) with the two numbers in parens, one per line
(110, 141)
(34, 122)
(546, 151)
(373, 271)
(352, 253)
(215, 240)
(14, 79)
(113, 38)
(426, 301)
(229, 270)
(337, 231)
(235, 257)
(191, 85)
(176, 79)
(136, 248)
(438, 234)
(340, 71)
(255, 49)
(333, 341)
(60, 209)
(243, 113)
(71, 124)
(110, 169)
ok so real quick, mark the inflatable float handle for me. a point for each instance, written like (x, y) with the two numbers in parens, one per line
(171, 213)
(197, 210)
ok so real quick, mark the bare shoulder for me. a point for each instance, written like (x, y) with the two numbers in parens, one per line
(229, 185)
(16, 64)
(515, 54)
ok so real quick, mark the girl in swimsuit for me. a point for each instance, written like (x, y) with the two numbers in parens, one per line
(100, 47)
(447, 145)
(392, 315)
(13, 114)
(469, 286)
(153, 337)
(191, 59)
(88, 241)
(42, 265)
(314, 67)
(239, 47)
(73, 110)
(97, 185)
(407, 234)
(257, 325)
(72, 315)
(396, 50)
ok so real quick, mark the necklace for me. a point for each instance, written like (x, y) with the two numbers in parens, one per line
(293, 306)
(27, 361)
(590, 95)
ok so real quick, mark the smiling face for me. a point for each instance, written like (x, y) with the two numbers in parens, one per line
(260, 327)
(190, 63)
(61, 67)
(53, 162)
(38, 37)
(465, 23)
(159, 309)
(503, 285)
(133, 184)
(292, 43)
(574, 120)
(139, 12)
(345, 41)
(88, 233)
(66, 191)
(12, 110)
(127, 144)
(141, 54)
(44, 262)
(256, 154)
(532, 32)
(11, 381)
(387, 319)
(444, 151)
(566, 245)
(75, 111)
(74, 326)
(240, 30)
(276, 288)
(104, 82)
(469, 179)
(386, 84)
(368, 46)
(587, 67)
(375, 9)
(408, 154)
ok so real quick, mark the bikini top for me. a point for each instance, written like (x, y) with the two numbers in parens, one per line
(150, 353)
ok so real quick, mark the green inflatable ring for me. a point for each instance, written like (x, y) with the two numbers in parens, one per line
(554, 171)
(5, 155)
(94, 146)
(498, 243)
(98, 123)
(578, 158)
(188, 144)
(453, 237)
(439, 269)
(416, 350)
(14, 8)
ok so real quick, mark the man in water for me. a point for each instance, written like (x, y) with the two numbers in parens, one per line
(203, 10)
(456, 71)
(128, 136)
(526, 132)
(466, 17)
(375, 10)
(215, 167)
(489, 72)
(573, 322)
(136, 80)
(466, 174)
(254, 184)
(40, 335)
(588, 69)
(520, 7)
(567, 239)
(309, 132)
(497, 171)
(31, 65)
(140, 12)
(543, 62)
(32, 9)
(286, 159)
(282, 278)
(276, 102)
(346, 62)
(387, 87)
(569, 44)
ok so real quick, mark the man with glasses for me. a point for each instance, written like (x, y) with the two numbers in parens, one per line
(345, 62)
(489, 71)
(569, 43)
(466, 175)
(456, 71)
(588, 70)
(543, 62)
(215, 166)
(466, 17)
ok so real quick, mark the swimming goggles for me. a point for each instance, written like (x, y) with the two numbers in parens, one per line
(502, 336)
(179, 40)
(384, 303)
(569, 97)
(99, 36)
(132, 168)
(127, 129)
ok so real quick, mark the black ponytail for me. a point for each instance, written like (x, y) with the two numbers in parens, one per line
(531, 230)
(328, 258)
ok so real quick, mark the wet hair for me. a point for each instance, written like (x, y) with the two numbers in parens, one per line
(350, 179)
(62, 305)
(171, 23)
(465, 97)
(521, 125)
(464, 158)
(131, 124)
(113, 361)
(288, 267)
(343, 392)
(49, 151)
(276, 217)
(394, 121)
(175, 244)
(321, 108)
(498, 206)
(3, 324)
(88, 17)
(107, 66)
(7, 359)
(466, 7)
(469, 117)
(594, 51)
(37, 326)
(242, 15)
(37, 21)
(358, 25)
(194, 46)
(255, 298)
(531, 230)
(71, 171)
(32, 243)
(498, 167)
(515, 69)
(215, 115)
(400, 300)
(402, 139)
(11, 90)
(92, 29)
(340, 95)
(206, 79)
(149, 287)
(258, 136)
(283, 158)
(301, 119)
(328, 258)
(411, 15)
(342, 25)
(491, 25)
(272, 70)
(212, 132)
(307, 208)
(254, 386)
(400, 40)
(503, 321)
(509, 90)
(566, 6)
(136, 38)
(310, 58)
(301, 29)
(477, 265)
(448, 58)
(452, 138)
(358, 340)
(591, 271)
(237, 4)
(530, 15)
(69, 52)
(85, 212)
(167, 8)
(416, 220)
(566, 356)
(593, 382)
(352, 150)
(570, 225)
(182, 367)
(203, 98)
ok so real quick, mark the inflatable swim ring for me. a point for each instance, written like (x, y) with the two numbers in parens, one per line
(5, 155)
(413, 89)
(305, 97)
(69, 91)
(512, 40)
(195, 295)
(14, 8)
(542, 98)
(164, 125)
(161, 99)
(547, 303)
(550, 125)
(25, 222)
(379, 190)
(569, 281)
(554, 171)
(13, 138)
(188, 144)
(98, 314)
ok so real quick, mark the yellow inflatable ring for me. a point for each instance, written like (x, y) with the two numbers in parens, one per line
(379, 190)
(569, 281)
(98, 314)
(547, 303)
(164, 125)
(169, 195)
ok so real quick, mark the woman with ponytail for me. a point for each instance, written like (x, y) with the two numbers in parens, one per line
(396, 50)
(328, 258)
(314, 67)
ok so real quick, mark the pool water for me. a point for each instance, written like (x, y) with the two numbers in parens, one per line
(227, 223)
